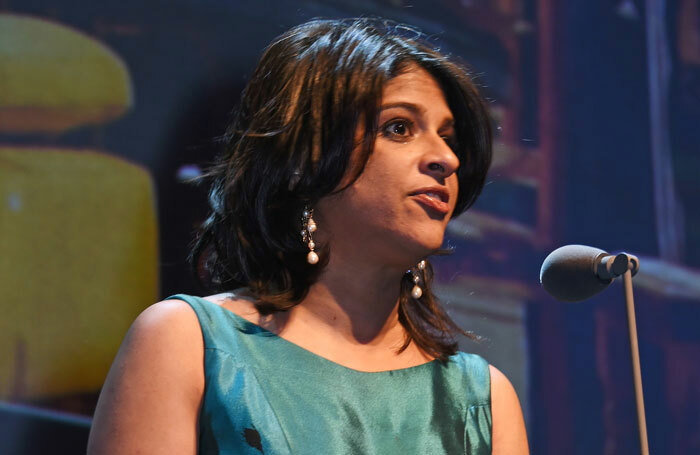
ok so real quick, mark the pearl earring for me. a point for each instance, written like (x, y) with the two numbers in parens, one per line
(417, 292)
(308, 228)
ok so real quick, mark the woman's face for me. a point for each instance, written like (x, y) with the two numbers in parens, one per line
(397, 210)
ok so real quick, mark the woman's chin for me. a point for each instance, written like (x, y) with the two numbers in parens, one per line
(430, 243)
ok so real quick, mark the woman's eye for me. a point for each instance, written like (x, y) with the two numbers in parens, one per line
(400, 128)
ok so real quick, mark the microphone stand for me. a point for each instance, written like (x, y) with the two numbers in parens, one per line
(634, 350)
(608, 267)
(566, 274)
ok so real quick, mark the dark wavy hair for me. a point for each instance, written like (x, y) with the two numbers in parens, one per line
(290, 144)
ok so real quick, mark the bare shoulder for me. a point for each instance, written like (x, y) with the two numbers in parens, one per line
(151, 397)
(167, 327)
(508, 427)
(166, 317)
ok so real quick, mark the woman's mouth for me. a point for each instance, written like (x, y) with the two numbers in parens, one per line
(434, 198)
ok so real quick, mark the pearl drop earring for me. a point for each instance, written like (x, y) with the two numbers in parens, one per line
(417, 292)
(308, 228)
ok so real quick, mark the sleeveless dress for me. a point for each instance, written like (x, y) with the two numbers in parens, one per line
(266, 395)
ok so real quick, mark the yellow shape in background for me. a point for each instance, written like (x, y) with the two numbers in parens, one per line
(78, 262)
(53, 78)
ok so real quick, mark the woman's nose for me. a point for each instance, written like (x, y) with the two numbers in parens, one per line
(440, 160)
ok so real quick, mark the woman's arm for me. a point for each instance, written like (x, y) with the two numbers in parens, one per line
(151, 397)
(508, 430)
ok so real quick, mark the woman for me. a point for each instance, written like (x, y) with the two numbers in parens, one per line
(352, 148)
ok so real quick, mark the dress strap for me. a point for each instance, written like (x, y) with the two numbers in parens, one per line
(476, 370)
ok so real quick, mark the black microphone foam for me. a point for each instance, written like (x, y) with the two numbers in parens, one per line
(569, 273)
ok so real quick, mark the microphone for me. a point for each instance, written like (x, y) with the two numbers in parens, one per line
(576, 272)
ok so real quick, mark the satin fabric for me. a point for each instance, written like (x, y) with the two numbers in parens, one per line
(266, 395)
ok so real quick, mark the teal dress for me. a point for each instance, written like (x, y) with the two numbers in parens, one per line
(266, 395)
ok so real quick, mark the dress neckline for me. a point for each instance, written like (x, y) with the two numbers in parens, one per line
(269, 334)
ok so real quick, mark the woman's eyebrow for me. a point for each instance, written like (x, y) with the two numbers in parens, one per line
(414, 108)
(448, 122)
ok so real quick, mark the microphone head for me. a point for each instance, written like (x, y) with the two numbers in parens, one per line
(568, 273)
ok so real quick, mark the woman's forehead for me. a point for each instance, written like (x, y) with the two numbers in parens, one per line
(415, 89)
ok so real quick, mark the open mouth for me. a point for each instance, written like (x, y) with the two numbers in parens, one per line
(434, 198)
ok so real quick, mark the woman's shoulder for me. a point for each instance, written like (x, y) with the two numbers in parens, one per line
(469, 360)
(165, 327)
(239, 303)
(470, 375)
(472, 365)
(486, 386)
(223, 321)
(483, 375)
(509, 435)
(184, 324)
(147, 383)
(161, 324)
(171, 325)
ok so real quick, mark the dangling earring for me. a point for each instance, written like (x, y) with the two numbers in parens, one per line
(417, 292)
(308, 227)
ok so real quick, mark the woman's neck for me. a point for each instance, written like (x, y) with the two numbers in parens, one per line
(357, 304)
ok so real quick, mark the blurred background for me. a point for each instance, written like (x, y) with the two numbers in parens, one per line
(107, 108)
